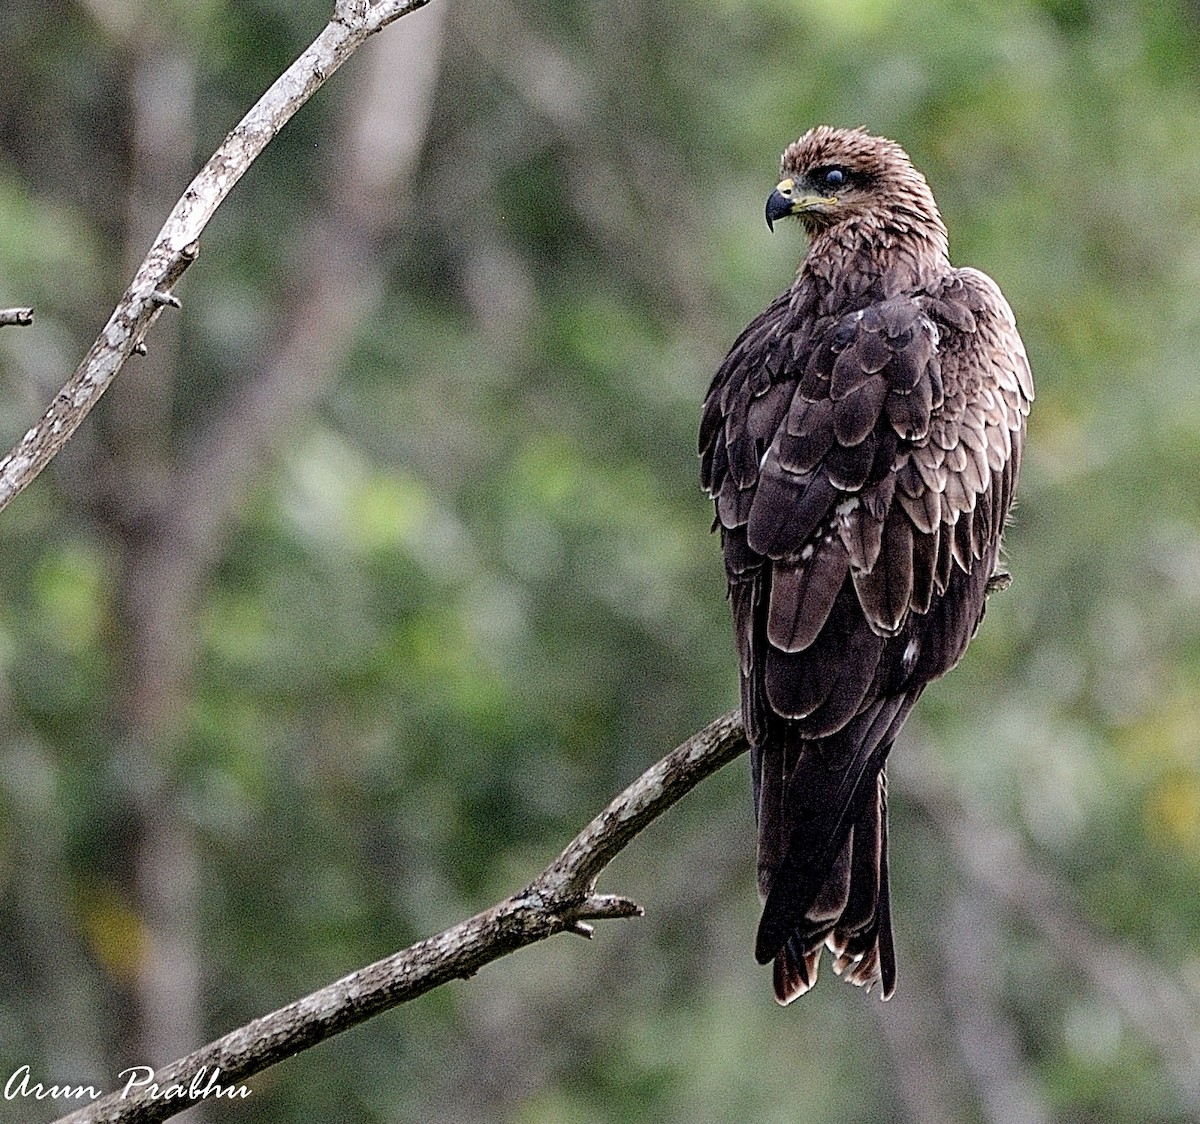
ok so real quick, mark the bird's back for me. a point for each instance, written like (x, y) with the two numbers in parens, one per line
(862, 448)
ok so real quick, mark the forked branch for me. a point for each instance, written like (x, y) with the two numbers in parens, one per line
(561, 899)
(178, 243)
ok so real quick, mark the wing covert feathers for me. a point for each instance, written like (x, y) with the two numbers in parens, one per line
(862, 453)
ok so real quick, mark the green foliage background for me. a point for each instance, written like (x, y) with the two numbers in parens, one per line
(468, 592)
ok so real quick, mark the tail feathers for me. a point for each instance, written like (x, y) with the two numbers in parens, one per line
(851, 916)
(795, 970)
(862, 941)
(822, 820)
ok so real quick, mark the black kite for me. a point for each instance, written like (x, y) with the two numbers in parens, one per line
(861, 442)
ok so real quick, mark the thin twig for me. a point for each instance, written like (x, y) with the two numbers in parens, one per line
(561, 899)
(21, 317)
(387, 11)
(177, 244)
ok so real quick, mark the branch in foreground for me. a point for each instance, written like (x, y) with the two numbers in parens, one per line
(177, 244)
(561, 899)
(22, 317)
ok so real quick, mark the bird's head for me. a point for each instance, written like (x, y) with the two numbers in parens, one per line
(835, 176)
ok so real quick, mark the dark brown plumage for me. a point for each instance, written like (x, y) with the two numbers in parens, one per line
(861, 442)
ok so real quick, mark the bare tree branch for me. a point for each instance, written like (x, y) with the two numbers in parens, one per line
(988, 1041)
(1164, 1013)
(561, 899)
(21, 317)
(177, 244)
(171, 522)
(378, 16)
(337, 286)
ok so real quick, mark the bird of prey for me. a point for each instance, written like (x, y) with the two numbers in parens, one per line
(861, 443)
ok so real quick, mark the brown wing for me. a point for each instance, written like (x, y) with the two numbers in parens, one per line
(800, 440)
(862, 469)
(743, 410)
(855, 473)
(966, 474)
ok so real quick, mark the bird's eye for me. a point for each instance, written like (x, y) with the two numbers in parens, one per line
(833, 177)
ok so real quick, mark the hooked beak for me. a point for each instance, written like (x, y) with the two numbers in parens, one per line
(787, 200)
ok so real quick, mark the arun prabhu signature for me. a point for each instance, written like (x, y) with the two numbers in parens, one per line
(138, 1079)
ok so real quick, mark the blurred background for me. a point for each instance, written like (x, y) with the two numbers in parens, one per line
(388, 566)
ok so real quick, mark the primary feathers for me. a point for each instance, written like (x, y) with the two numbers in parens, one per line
(861, 443)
